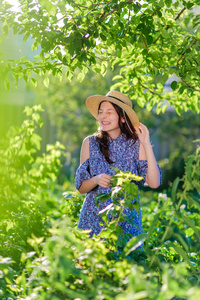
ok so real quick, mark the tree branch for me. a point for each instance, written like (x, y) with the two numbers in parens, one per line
(182, 11)
(191, 87)
(191, 70)
(152, 92)
(155, 11)
(103, 16)
(145, 44)
(168, 26)
(195, 40)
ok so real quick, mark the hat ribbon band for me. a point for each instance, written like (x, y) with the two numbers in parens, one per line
(117, 99)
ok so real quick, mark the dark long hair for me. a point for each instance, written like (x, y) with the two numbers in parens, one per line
(102, 137)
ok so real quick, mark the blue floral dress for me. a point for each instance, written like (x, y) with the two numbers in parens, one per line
(124, 153)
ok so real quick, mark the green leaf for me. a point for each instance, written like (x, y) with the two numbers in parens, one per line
(104, 67)
(7, 85)
(189, 165)
(181, 252)
(157, 78)
(50, 8)
(134, 243)
(117, 77)
(137, 7)
(36, 140)
(5, 29)
(87, 42)
(149, 39)
(164, 33)
(80, 77)
(191, 224)
(28, 111)
(46, 82)
(181, 240)
(168, 3)
(174, 85)
(103, 37)
(34, 82)
(136, 205)
(102, 197)
(135, 81)
(189, 4)
(181, 90)
(164, 107)
(174, 188)
(153, 225)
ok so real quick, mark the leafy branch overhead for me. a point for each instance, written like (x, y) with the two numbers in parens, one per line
(148, 41)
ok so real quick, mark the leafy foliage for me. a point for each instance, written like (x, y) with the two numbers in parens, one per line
(150, 41)
(26, 184)
(58, 261)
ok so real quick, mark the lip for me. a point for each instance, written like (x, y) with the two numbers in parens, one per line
(105, 123)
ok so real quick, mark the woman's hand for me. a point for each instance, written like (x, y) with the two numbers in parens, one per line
(103, 180)
(143, 134)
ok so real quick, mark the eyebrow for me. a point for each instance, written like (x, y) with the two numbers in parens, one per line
(107, 109)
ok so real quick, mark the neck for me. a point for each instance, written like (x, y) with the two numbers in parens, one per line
(113, 135)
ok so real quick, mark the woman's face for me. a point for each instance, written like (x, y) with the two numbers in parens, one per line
(109, 119)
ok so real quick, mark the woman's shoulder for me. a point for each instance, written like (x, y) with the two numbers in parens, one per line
(88, 139)
(89, 145)
(85, 150)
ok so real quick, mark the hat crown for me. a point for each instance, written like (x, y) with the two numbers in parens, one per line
(120, 96)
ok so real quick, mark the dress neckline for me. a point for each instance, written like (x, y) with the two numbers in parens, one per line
(119, 139)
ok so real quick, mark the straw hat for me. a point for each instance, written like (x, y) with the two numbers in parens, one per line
(116, 97)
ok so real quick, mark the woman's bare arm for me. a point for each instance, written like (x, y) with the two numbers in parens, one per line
(101, 179)
(146, 153)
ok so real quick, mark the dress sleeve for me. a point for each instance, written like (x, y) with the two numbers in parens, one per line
(82, 173)
(142, 170)
(160, 174)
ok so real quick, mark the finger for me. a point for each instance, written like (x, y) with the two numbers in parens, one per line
(140, 130)
(105, 185)
(137, 129)
(105, 182)
(143, 127)
(107, 177)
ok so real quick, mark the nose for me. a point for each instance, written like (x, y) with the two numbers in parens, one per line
(103, 115)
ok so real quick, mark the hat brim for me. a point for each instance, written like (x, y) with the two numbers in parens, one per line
(93, 102)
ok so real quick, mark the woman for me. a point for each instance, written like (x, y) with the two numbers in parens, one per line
(123, 142)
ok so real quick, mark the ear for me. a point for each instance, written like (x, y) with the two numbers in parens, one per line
(123, 120)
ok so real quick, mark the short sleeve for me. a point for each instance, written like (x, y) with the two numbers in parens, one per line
(142, 170)
(82, 173)
(160, 174)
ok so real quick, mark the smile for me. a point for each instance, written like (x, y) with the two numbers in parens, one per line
(105, 123)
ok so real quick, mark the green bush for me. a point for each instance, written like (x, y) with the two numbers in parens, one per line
(49, 258)
(28, 183)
